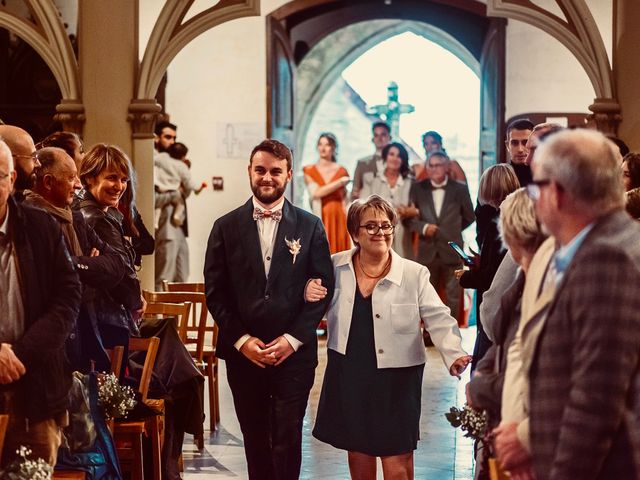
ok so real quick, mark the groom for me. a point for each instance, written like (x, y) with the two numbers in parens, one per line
(259, 258)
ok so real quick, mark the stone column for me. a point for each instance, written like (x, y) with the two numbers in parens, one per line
(626, 68)
(108, 57)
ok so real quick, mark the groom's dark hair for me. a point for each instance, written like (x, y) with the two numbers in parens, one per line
(275, 148)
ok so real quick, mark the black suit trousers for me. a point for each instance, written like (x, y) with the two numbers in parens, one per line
(270, 404)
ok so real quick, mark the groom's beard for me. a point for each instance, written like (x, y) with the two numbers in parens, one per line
(24, 181)
(268, 195)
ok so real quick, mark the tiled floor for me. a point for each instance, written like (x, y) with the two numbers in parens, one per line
(442, 454)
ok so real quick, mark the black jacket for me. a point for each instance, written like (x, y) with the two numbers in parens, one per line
(242, 300)
(51, 296)
(115, 306)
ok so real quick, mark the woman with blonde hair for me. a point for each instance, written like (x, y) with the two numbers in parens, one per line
(496, 183)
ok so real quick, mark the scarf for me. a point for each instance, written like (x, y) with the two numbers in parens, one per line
(62, 215)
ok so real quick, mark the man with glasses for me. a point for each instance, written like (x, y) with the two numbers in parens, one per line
(39, 299)
(24, 156)
(445, 210)
(579, 349)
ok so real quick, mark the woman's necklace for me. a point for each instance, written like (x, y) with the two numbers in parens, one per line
(384, 269)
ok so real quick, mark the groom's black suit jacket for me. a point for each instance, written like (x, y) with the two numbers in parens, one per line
(243, 301)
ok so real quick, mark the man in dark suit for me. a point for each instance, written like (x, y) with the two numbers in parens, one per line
(584, 368)
(259, 259)
(445, 211)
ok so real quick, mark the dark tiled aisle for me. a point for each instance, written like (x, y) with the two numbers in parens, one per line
(443, 454)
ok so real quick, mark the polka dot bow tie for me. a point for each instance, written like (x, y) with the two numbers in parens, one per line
(259, 214)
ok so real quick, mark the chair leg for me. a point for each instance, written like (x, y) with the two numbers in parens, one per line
(212, 396)
(216, 390)
(137, 469)
(156, 452)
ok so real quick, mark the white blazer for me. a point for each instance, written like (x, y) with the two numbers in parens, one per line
(400, 301)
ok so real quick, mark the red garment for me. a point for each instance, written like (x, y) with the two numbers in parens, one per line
(334, 216)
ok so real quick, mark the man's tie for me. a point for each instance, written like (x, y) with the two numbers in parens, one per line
(259, 214)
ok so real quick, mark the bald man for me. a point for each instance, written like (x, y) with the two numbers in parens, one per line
(39, 299)
(25, 160)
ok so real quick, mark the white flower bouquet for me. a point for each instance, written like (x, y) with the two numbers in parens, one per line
(475, 423)
(115, 400)
(25, 468)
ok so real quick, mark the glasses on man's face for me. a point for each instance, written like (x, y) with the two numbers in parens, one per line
(435, 165)
(375, 228)
(33, 156)
(533, 189)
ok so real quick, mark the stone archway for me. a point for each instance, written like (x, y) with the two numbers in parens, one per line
(319, 70)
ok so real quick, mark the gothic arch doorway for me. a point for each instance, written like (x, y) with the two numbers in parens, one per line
(461, 26)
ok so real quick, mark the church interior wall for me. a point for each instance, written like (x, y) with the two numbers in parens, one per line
(542, 75)
(220, 78)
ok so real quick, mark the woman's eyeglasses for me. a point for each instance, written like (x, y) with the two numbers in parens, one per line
(375, 228)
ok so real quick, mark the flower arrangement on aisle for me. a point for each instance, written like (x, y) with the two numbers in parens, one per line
(115, 400)
(25, 468)
(474, 423)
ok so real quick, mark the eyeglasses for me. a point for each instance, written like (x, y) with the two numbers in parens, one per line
(533, 189)
(33, 156)
(375, 228)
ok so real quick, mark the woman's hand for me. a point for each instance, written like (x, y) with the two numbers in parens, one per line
(460, 366)
(458, 273)
(407, 211)
(344, 180)
(314, 291)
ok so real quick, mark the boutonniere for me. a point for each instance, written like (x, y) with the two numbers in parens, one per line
(294, 247)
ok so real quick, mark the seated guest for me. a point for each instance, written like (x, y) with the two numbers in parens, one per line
(393, 184)
(105, 174)
(522, 235)
(496, 183)
(97, 264)
(39, 299)
(631, 181)
(370, 400)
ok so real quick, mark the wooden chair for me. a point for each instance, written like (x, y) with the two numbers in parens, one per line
(205, 352)
(180, 311)
(496, 472)
(128, 434)
(4, 423)
(115, 355)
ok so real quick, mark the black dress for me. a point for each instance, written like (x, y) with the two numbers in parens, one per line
(363, 408)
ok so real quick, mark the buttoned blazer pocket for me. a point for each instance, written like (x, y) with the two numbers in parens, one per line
(405, 318)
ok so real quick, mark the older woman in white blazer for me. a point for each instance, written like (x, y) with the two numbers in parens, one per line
(371, 394)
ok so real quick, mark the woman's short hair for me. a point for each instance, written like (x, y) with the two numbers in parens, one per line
(518, 223)
(633, 164)
(103, 157)
(67, 141)
(402, 153)
(496, 183)
(359, 207)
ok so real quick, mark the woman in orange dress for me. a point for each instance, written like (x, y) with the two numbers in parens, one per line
(326, 181)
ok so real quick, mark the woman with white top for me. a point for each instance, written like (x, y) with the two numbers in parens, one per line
(393, 184)
(371, 395)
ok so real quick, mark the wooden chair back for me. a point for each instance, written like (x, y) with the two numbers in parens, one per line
(198, 309)
(115, 355)
(180, 311)
(4, 422)
(183, 286)
(496, 472)
(149, 345)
